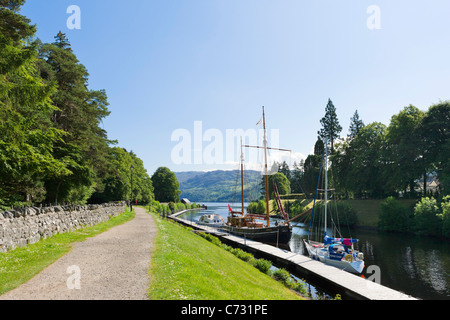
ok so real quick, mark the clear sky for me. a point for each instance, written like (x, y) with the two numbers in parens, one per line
(166, 64)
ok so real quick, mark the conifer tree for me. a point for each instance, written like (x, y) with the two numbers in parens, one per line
(330, 125)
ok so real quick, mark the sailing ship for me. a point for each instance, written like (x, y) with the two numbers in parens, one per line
(338, 252)
(250, 226)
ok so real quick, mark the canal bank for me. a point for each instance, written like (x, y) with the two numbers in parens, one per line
(335, 280)
(417, 266)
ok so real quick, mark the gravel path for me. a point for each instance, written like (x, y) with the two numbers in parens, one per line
(111, 266)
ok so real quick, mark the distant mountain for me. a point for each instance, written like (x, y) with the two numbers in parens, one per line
(218, 186)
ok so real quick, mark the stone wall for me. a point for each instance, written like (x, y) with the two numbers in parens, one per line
(21, 227)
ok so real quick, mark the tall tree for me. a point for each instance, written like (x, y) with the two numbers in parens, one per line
(284, 169)
(27, 136)
(404, 149)
(367, 162)
(330, 125)
(356, 125)
(79, 113)
(436, 139)
(167, 188)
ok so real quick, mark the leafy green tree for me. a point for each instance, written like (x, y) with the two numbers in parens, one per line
(117, 182)
(282, 183)
(366, 153)
(404, 149)
(436, 141)
(166, 185)
(330, 125)
(79, 113)
(27, 139)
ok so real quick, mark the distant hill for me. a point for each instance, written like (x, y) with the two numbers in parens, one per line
(218, 186)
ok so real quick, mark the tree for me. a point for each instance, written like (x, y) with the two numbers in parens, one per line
(166, 185)
(117, 181)
(27, 136)
(436, 141)
(366, 153)
(284, 169)
(356, 125)
(79, 113)
(330, 125)
(405, 149)
(282, 183)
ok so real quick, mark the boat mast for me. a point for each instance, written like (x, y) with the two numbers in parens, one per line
(242, 178)
(326, 181)
(266, 171)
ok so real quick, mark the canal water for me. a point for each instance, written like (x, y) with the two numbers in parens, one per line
(417, 266)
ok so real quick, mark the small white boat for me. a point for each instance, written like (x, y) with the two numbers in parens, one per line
(212, 220)
(338, 253)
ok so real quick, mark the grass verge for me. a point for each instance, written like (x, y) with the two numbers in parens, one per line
(22, 264)
(188, 267)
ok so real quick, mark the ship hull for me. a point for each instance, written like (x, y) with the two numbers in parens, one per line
(280, 235)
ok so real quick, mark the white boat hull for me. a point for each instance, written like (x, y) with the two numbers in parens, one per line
(320, 253)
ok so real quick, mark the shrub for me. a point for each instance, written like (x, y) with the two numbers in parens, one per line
(427, 220)
(394, 216)
(445, 205)
(283, 276)
(244, 256)
(263, 265)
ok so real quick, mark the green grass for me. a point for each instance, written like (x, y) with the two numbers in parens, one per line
(22, 264)
(368, 211)
(188, 267)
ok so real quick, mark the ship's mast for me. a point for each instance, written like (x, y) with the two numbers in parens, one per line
(326, 181)
(242, 178)
(265, 147)
(266, 171)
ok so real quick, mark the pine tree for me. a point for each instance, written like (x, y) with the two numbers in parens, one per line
(355, 126)
(330, 125)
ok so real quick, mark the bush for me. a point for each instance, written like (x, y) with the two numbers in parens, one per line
(338, 211)
(394, 216)
(296, 208)
(257, 207)
(445, 205)
(427, 220)
(283, 276)
(263, 265)
(244, 256)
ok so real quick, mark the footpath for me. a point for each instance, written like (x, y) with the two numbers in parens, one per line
(111, 266)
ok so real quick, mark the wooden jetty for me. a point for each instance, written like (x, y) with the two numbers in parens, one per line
(348, 285)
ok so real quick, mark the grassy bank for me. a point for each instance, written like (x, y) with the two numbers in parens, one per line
(188, 267)
(368, 211)
(20, 265)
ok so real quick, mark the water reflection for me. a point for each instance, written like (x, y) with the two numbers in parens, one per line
(417, 266)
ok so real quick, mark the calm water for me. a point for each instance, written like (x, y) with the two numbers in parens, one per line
(417, 266)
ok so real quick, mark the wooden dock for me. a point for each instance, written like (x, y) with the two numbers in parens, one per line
(348, 285)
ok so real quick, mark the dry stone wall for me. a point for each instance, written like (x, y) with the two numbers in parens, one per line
(21, 227)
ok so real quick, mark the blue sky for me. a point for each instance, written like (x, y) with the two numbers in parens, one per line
(167, 64)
